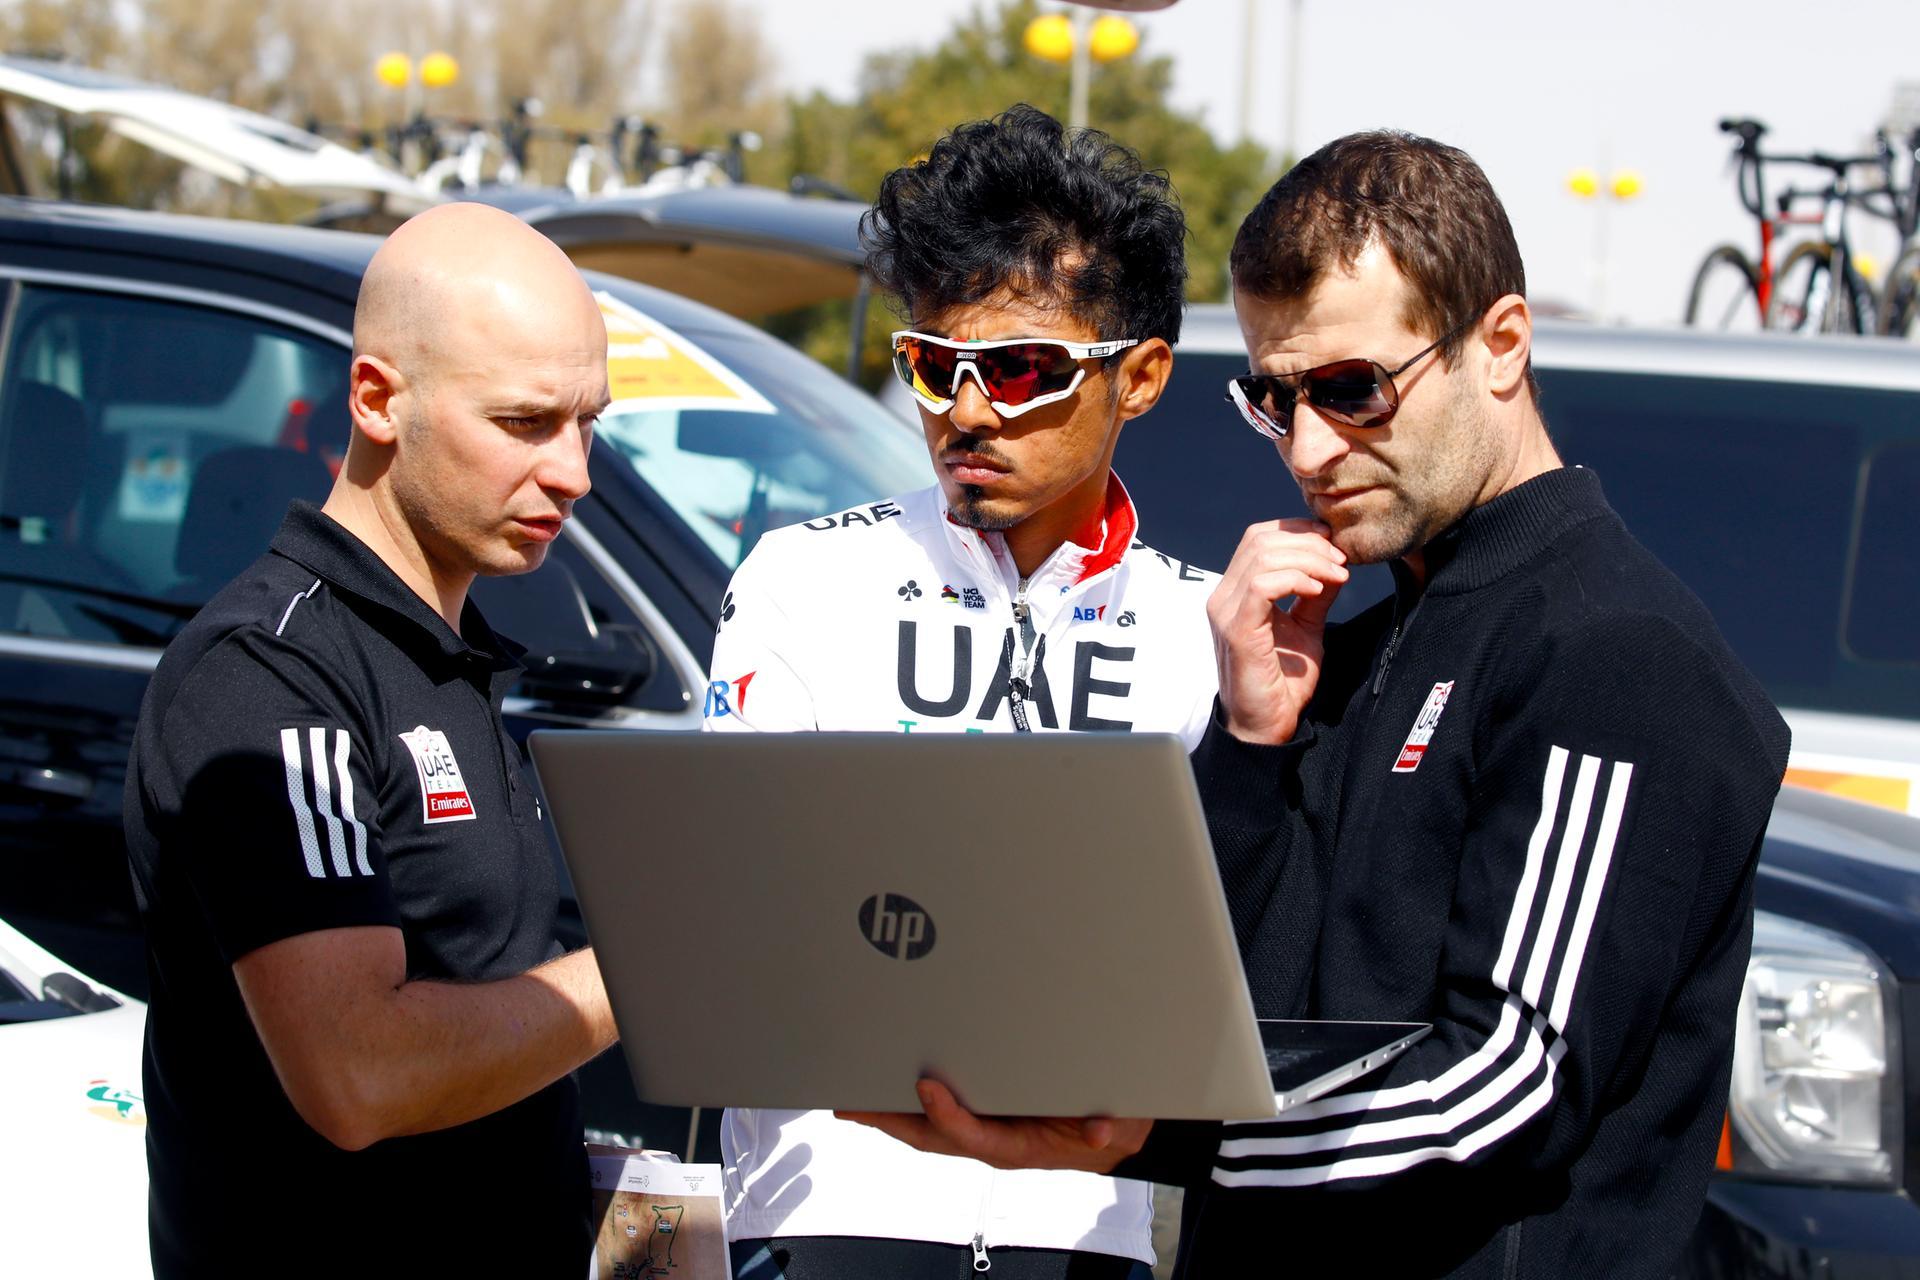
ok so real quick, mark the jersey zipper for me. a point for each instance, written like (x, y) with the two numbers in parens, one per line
(1400, 626)
(980, 1260)
(1019, 690)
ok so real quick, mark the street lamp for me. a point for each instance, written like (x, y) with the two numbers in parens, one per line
(1112, 39)
(1079, 41)
(1585, 184)
(394, 70)
(437, 70)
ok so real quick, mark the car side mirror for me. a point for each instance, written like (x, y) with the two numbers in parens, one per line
(581, 677)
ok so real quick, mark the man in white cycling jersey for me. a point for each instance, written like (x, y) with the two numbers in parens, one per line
(1041, 274)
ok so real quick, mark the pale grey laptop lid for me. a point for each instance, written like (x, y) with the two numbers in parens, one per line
(817, 920)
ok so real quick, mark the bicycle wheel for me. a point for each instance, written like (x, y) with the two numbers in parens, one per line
(1807, 300)
(1725, 293)
(1900, 303)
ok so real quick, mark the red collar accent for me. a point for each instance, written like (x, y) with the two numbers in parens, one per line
(1120, 524)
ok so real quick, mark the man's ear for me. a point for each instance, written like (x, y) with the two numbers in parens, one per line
(1142, 376)
(374, 390)
(1507, 329)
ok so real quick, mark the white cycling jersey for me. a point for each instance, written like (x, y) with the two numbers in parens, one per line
(890, 616)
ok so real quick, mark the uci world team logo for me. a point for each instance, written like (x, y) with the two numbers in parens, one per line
(897, 926)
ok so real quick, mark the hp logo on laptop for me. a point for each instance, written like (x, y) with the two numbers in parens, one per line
(896, 926)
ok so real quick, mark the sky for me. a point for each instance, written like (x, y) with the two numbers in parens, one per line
(1532, 90)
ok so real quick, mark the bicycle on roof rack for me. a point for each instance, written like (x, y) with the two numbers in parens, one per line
(450, 155)
(1732, 291)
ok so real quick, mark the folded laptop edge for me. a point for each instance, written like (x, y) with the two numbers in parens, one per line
(1286, 1097)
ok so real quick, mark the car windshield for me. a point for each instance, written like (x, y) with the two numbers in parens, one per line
(740, 435)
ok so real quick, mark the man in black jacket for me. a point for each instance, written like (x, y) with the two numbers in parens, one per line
(1522, 799)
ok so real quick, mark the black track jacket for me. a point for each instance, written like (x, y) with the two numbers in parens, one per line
(1525, 806)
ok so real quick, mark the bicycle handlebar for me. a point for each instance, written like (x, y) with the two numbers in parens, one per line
(1839, 164)
(1862, 200)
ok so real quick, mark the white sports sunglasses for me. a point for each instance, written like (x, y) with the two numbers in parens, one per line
(1015, 374)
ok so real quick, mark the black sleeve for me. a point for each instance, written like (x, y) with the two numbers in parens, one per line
(1263, 844)
(1605, 879)
(1269, 844)
(1179, 1153)
(269, 777)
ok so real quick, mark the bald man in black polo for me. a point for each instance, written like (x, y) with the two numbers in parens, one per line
(361, 1033)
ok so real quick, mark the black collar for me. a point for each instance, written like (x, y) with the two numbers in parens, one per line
(1498, 537)
(310, 537)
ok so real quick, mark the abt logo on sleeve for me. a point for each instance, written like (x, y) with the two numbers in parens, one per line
(443, 792)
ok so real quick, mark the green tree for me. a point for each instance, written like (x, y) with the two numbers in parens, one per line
(717, 74)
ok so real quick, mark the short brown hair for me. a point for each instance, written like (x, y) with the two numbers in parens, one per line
(1428, 204)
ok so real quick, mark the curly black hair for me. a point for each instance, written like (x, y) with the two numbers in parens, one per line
(1021, 203)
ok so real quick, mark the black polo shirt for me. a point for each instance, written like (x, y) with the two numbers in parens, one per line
(319, 750)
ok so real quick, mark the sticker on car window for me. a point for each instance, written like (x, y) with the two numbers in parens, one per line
(650, 367)
(1890, 784)
(153, 485)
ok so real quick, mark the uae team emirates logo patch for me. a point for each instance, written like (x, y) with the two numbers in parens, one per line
(443, 792)
(1415, 748)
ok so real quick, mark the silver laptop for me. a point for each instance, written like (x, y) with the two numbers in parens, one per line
(818, 920)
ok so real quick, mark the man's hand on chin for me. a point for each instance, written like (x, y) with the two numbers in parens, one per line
(1092, 1145)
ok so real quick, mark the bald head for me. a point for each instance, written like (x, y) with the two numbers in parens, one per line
(479, 367)
(449, 266)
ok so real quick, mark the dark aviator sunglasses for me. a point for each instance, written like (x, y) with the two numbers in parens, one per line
(1354, 392)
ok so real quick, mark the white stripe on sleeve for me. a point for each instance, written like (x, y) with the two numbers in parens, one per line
(1466, 1125)
(323, 792)
(1590, 900)
(297, 797)
(342, 745)
(1570, 841)
(1536, 856)
(1398, 1161)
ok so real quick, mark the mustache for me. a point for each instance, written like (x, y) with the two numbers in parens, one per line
(973, 446)
(1354, 479)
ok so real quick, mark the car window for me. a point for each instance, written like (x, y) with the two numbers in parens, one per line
(1748, 490)
(147, 449)
(739, 434)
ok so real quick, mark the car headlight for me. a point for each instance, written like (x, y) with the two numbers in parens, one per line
(1815, 1088)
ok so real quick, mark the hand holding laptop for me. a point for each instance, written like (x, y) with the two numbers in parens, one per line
(1093, 1145)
